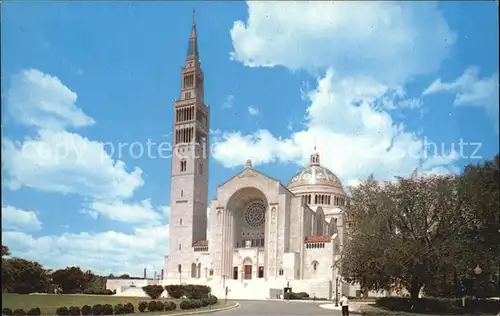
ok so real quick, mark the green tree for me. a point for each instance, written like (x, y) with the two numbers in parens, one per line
(70, 279)
(404, 234)
(23, 276)
(5, 251)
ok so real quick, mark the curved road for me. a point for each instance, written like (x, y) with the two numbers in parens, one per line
(281, 308)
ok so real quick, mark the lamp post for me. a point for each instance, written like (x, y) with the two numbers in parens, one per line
(336, 284)
(477, 272)
(337, 291)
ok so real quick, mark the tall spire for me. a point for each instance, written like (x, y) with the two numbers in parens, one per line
(193, 41)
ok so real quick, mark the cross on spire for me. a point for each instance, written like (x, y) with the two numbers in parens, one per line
(194, 16)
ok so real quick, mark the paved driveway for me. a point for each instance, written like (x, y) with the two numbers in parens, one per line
(278, 308)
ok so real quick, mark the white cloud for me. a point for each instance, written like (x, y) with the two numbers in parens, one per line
(469, 90)
(63, 162)
(354, 136)
(253, 110)
(228, 102)
(103, 252)
(142, 212)
(40, 100)
(386, 40)
(18, 219)
(374, 49)
(56, 160)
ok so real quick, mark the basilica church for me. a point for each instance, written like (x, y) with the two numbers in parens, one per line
(259, 234)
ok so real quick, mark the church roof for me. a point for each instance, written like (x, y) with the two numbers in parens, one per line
(249, 171)
(315, 174)
(200, 243)
(316, 239)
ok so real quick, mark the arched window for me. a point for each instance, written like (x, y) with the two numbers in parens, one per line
(281, 272)
(193, 270)
(315, 265)
(183, 165)
(179, 268)
(180, 221)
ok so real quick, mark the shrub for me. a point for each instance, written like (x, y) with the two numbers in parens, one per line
(394, 303)
(118, 309)
(86, 310)
(196, 304)
(175, 290)
(97, 309)
(19, 312)
(74, 311)
(152, 306)
(212, 299)
(142, 306)
(153, 291)
(205, 301)
(303, 294)
(291, 296)
(107, 309)
(34, 312)
(194, 291)
(7, 312)
(129, 308)
(160, 307)
(185, 304)
(98, 292)
(437, 305)
(172, 306)
(62, 311)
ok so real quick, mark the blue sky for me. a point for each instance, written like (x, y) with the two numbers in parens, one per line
(370, 84)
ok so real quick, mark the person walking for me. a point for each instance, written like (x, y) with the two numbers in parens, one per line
(344, 302)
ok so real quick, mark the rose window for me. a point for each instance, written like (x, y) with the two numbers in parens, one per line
(255, 214)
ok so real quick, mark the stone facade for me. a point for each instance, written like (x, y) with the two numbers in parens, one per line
(259, 234)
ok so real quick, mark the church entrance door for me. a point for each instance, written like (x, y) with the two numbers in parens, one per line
(235, 273)
(248, 272)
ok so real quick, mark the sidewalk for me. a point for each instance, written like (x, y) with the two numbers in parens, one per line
(354, 307)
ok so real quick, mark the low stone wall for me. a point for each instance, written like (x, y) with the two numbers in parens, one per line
(121, 285)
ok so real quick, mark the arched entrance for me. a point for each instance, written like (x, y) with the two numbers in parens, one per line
(247, 269)
(247, 208)
(249, 211)
(235, 273)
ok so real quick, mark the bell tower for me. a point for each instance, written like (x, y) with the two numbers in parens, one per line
(189, 173)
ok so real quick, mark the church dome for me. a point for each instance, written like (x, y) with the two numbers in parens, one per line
(315, 174)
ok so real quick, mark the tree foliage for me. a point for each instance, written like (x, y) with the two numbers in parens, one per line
(71, 279)
(424, 231)
(5, 251)
(153, 291)
(23, 276)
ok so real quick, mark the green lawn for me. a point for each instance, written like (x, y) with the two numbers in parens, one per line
(49, 303)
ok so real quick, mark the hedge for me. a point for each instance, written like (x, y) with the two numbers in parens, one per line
(296, 296)
(118, 309)
(99, 292)
(438, 305)
(190, 291)
(197, 303)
